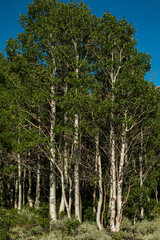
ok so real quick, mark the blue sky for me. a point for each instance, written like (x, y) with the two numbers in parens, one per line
(144, 14)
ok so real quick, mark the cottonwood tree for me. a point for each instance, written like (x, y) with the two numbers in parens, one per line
(114, 48)
(80, 103)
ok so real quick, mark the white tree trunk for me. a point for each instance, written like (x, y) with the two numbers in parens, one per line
(16, 194)
(65, 165)
(99, 207)
(76, 150)
(95, 183)
(62, 205)
(64, 195)
(112, 203)
(141, 174)
(29, 193)
(76, 171)
(24, 185)
(70, 194)
(156, 193)
(19, 184)
(52, 195)
(38, 186)
(120, 178)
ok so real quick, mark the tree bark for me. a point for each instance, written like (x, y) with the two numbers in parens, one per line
(24, 185)
(29, 193)
(141, 174)
(65, 166)
(120, 178)
(52, 196)
(112, 203)
(19, 183)
(98, 157)
(76, 149)
(16, 193)
(38, 186)
(76, 171)
(95, 184)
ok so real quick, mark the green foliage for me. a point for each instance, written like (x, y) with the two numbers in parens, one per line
(97, 74)
(27, 224)
(85, 231)
(89, 215)
(71, 226)
(156, 210)
(147, 227)
(119, 235)
(127, 225)
(43, 216)
(89, 231)
(4, 225)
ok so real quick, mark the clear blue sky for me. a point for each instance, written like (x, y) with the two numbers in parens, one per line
(145, 15)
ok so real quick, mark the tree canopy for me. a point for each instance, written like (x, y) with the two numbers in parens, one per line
(79, 125)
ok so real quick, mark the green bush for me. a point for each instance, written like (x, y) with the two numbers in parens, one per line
(156, 210)
(4, 225)
(118, 235)
(27, 224)
(53, 235)
(43, 216)
(67, 226)
(89, 215)
(89, 231)
(126, 225)
(71, 225)
(146, 227)
(85, 231)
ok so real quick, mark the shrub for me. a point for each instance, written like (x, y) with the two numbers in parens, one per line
(148, 229)
(118, 235)
(156, 210)
(53, 235)
(27, 224)
(89, 231)
(85, 231)
(4, 225)
(71, 225)
(126, 225)
(89, 215)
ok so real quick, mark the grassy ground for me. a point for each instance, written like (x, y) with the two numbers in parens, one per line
(34, 225)
(144, 230)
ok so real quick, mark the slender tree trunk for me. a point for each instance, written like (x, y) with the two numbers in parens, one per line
(141, 174)
(105, 187)
(52, 196)
(70, 194)
(38, 186)
(120, 179)
(64, 194)
(95, 185)
(99, 207)
(16, 193)
(112, 203)
(29, 193)
(19, 184)
(24, 185)
(62, 205)
(76, 150)
(76, 171)
(65, 144)
(65, 165)
(156, 195)
(94, 198)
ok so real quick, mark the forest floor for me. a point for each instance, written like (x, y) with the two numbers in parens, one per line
(32, 224)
